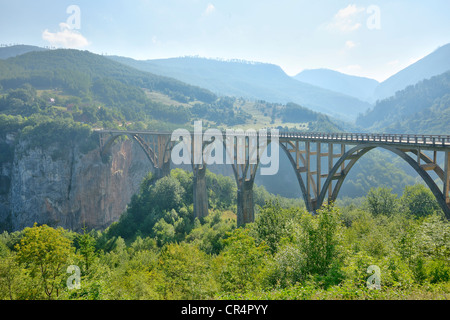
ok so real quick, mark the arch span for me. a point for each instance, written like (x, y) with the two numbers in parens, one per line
(354, 154)
(296, 168)
(158, 154)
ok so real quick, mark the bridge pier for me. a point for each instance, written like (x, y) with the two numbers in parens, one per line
(162, 172)
(245, 203)
(200, 192)
(447, 180)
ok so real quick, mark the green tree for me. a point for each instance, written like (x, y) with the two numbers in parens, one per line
(163, 232)
(271, 224)
(167, 194)
(285, 269)
(86, 243)
(187, 272)
(319, 241)
(45, 252)
(382, 201)
(13, 282)
(221, 190)
(209, 235)
(238, 267)
(419, 201)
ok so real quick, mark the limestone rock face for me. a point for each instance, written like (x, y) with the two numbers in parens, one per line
(71, 190)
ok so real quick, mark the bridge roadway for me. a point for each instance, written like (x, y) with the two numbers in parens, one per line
(305, 151)
(428, 142)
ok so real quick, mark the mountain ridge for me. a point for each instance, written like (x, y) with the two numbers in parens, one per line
(16, 50)
(433, 64)
(359, 87)
(260, 81)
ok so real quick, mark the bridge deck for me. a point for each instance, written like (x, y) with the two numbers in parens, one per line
(431, 142)
(400, 140)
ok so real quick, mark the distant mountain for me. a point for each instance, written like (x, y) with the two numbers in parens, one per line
(433, 64)
(14, 51)
(358, 87)
(421, 108)
(78, 68)
(257, 81)
(129, 94)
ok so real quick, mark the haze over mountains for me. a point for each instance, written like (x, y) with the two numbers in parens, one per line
(370, 90)
(358, 87)
(258, 81)
(433, 64)
(328, 91)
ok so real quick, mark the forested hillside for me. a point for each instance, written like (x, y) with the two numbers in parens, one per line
(422, 108)
(89, 76)
(95, 90)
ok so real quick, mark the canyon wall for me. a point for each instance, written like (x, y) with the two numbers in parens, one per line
(72, 190)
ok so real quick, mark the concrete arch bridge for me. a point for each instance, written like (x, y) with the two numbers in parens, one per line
(321, 161)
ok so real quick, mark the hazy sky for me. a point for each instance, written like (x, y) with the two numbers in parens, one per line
(369, 38)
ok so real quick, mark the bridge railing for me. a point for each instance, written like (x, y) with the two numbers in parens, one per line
(425, 140)
(429, 140)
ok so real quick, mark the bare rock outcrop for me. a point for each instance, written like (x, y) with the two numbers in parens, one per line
(71, 190)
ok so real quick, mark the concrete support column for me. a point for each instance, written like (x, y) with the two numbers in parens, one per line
(245, 203)
(200, 192)
(162, 172)
(446, 190)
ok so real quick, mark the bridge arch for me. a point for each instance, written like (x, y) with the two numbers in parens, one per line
(295, 165)
(159, 160)
(357, 152)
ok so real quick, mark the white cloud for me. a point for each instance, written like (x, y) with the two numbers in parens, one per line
(209, 9)
(66, 37)
(350, 44)
(347, 19)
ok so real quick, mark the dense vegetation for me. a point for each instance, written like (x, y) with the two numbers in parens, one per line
(159, 251)
(75, 70)
(81, 82)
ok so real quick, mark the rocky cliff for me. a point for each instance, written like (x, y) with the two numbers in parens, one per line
(71, 190)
